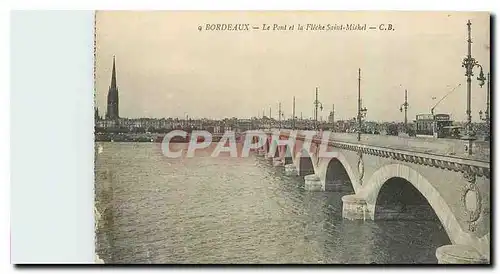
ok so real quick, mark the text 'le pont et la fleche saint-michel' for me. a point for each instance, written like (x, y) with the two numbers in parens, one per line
(297, 27)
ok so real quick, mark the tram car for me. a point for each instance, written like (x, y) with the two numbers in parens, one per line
(434, 126)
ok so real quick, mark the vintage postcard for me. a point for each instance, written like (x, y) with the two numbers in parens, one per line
(292, 137)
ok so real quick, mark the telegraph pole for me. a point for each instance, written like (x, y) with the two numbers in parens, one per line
(405, 106)
(279, 115)
(361, 110)
(333, 117)
(293, 113)
(316, 104)
(270, 117)
(406, 110)
(316, 110)
(359, 104)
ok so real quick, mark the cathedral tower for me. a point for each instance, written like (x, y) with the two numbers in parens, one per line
(112, 112)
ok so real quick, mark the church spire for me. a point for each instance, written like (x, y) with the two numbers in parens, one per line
(112, 111)
(113, 75)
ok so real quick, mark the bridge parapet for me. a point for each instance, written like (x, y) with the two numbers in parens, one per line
(437, 153)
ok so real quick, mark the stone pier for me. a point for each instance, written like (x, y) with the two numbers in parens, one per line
(313, 183)
(354, 208)
(291, 170)
(459, 254)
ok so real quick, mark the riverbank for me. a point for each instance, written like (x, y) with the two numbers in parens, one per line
(143, 138)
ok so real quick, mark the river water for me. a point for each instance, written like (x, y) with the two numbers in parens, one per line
(239, 210)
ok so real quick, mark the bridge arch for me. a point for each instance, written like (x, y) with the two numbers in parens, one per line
(338, 163)
(399, 199)
(305, 162)
(372, 187)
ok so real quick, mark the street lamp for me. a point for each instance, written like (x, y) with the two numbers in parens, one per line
(486, 113)
(405, 106)
(293, 114)
(361, 110)
(333, 117)
(361, 116)
(280, 114)
(316, 104)
(469, 63)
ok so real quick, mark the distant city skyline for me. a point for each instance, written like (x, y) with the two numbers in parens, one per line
(165, 67)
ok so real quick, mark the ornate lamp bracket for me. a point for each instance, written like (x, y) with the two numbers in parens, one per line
(316, 148)
(361, 166)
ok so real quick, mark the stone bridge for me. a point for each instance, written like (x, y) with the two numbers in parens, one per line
(390, 177)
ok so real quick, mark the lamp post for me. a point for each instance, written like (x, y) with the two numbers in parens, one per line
(361, 111)
(316, 104)
(293, 114)
(280, 113)
(405, 106)
(469, 63)
(486, 113)
(333, 118)
(270, 118)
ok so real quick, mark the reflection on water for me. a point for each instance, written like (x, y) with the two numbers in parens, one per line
(239, 210)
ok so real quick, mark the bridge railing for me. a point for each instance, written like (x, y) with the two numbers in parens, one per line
(444, 147)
